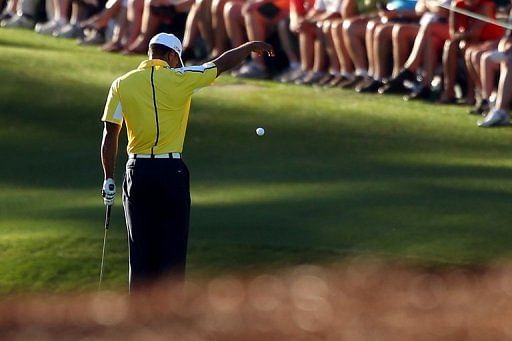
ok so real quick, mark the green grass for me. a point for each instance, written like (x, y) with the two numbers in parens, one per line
(337, 174)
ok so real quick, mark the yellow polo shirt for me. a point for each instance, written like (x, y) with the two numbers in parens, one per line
(154, 102)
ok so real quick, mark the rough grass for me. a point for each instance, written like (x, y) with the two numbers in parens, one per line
(337, 174)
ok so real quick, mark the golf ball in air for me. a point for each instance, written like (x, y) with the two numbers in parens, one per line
(260, 131)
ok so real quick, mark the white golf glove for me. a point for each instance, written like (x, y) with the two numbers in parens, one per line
(108, 191)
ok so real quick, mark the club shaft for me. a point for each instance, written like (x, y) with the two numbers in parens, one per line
(477, 16)
(107, 223)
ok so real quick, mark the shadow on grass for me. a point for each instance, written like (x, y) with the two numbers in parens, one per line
(361, 201)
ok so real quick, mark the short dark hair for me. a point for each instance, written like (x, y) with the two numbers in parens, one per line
(160, 50)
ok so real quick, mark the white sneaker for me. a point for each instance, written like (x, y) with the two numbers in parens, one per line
(496, 117)
(18, 21)
(48, 27)
(253, 70)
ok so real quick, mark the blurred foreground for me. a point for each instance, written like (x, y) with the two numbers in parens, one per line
(355, 301)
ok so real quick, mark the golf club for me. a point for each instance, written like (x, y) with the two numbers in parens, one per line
(107, 223)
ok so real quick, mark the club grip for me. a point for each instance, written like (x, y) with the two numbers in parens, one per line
(107, 216)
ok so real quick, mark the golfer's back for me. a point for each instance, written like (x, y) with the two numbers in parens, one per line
(154, 102)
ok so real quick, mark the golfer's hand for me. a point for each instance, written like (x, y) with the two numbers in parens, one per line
(108, 192)
(260, 47)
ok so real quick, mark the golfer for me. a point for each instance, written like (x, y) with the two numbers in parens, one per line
(153, 101)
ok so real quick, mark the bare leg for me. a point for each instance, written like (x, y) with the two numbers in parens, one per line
(346, 65)
(369, 40)
(255, 25)
(404, 41)
(488, 72)
(505, 84)
(469, 57)
(284, 39)
(449, 68)
(333, 62)
(220, 36)
(306, 44)
(101, 20)
(134, 16)
(235, 26)
(148, 28)
(191, 27)
(64, 6)
(354, 31)
(382, 51)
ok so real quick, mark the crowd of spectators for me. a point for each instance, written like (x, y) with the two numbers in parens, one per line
(414, 47)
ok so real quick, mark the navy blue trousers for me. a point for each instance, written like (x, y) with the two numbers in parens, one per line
(156, 200)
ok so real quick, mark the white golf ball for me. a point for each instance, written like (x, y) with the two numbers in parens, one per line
(260, 131)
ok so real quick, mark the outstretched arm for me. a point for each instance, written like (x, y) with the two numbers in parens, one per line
(233, 57)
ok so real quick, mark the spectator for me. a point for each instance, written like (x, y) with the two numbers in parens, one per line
(163, 15)
(323, 15)
(492, 63)
(198, 24)
(234, 21)
(58, 20)
(220, 36)
(466, 32)
(9, 10)
(346, 66)
(426, 52)
(379, 41)
(354, 39)
(25, 16)
(114, 9)
(498, 115)
(261, 18)
(299, 25)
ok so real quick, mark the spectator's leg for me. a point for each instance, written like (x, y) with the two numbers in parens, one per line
(286, 43)
(346, 65)
(499, 115)
(306, 46)
(354, 31)
(220, 36)
(436, 36)
(320, 57)
(333, 63)
(134, 17)
(235, 26)
(205, 23)
(504, 95)
(119, 33)
(369, 41)
(148, 28)
(471, 56)
(382, 51)
(476, 59)
(11, 6)
(256, 26)
(404, 37)
(488, 71)
(450, 52)
(101, 20)
(60, 11)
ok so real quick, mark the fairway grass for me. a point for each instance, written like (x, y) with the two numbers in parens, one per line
(336, 175)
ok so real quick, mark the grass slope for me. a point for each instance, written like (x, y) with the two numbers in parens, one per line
(336, 174)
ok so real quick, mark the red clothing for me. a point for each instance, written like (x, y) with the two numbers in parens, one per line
(489, 31)
(301, 7)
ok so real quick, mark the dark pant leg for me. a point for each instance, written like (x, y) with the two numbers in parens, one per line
(156, 199)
